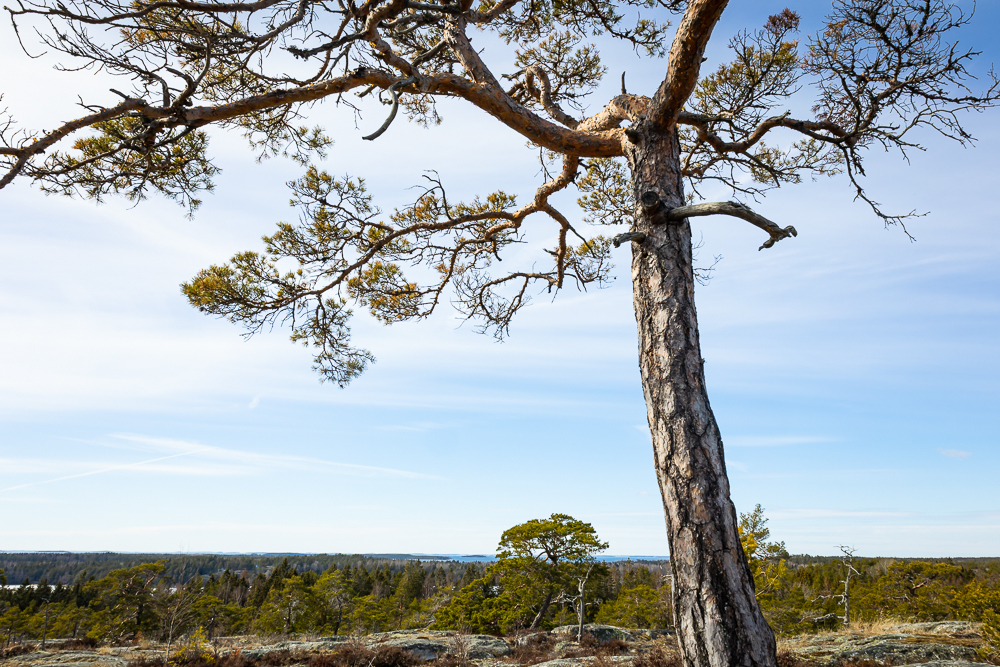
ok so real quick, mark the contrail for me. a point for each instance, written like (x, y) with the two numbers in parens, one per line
(98, 472)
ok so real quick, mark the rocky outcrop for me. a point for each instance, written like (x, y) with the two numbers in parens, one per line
(605, 633)
(84, 658)
(602, 633)
(430, 644)
(422, 644)
(959, 629)
(896, 651)
(941, 644)
(913, 643)
(622, 660)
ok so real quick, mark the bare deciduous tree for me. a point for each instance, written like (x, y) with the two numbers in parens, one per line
(579, 601)
(844, 599)
(881, 71)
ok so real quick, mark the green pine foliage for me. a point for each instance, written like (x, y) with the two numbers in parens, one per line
(990, 630)
(175, 599)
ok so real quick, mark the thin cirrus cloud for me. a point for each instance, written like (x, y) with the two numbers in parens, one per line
(774, 440)
(812, 513)
(211, 461)
(114, 468)
(264, 462)
(955, 453)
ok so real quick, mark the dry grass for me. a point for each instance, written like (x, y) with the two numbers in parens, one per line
(349, 656)
(80, 644)
(590, 646)
(535, 648)
(880, 626)
(15, 650)
(788, 659)
(659, 657)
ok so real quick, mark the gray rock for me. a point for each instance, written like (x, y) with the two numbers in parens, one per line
(66, 659)
(424, 648)
(951, 628)
(892, 652)
(564, 647)
(623, 660)
(602, 633)
(565, 662)
(480, 647)
(429, 644)
(534, 638)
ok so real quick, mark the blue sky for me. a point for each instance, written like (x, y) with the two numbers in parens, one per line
(853, 373)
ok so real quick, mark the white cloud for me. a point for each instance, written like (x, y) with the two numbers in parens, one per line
(267, 462)
(47, 466)
(955, 453)
(236, 462)
(123, 466)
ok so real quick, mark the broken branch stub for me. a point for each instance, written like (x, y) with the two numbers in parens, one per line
(634, 237)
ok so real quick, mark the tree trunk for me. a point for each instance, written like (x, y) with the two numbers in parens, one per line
(541, 612)
(719, 623)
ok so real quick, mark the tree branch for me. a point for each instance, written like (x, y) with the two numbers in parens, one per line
(395, 107)
(735, 209)
(813, 129)
(38, 146)
(545, 95)
(208, 7)
(596, 143)
(685, 60)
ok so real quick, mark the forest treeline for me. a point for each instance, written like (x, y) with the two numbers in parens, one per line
(546, 574)
(66, 568)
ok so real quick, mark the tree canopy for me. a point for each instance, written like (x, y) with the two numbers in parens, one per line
(539, 559)
(881, 75)
(879, 71)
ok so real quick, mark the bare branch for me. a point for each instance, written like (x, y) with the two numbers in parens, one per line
(735, 209)
(395, 107)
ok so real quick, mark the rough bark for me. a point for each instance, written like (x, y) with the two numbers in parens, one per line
(541, 612)
(684, 63)
(719, 623)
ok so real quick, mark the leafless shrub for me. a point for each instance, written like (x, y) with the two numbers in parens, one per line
(15, 650)
(144, 661)
(283, 657)
(789, 659)
(614, 647)
(382, 656)
(533, 649)
(590, 645)
(204, 659)
(77, 644)
(321, 660)
(658, 657)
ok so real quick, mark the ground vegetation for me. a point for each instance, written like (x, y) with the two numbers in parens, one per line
(798, 594)
(881, 73)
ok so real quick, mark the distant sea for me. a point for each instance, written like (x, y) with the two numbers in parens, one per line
(460, 558)
(481, 558)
